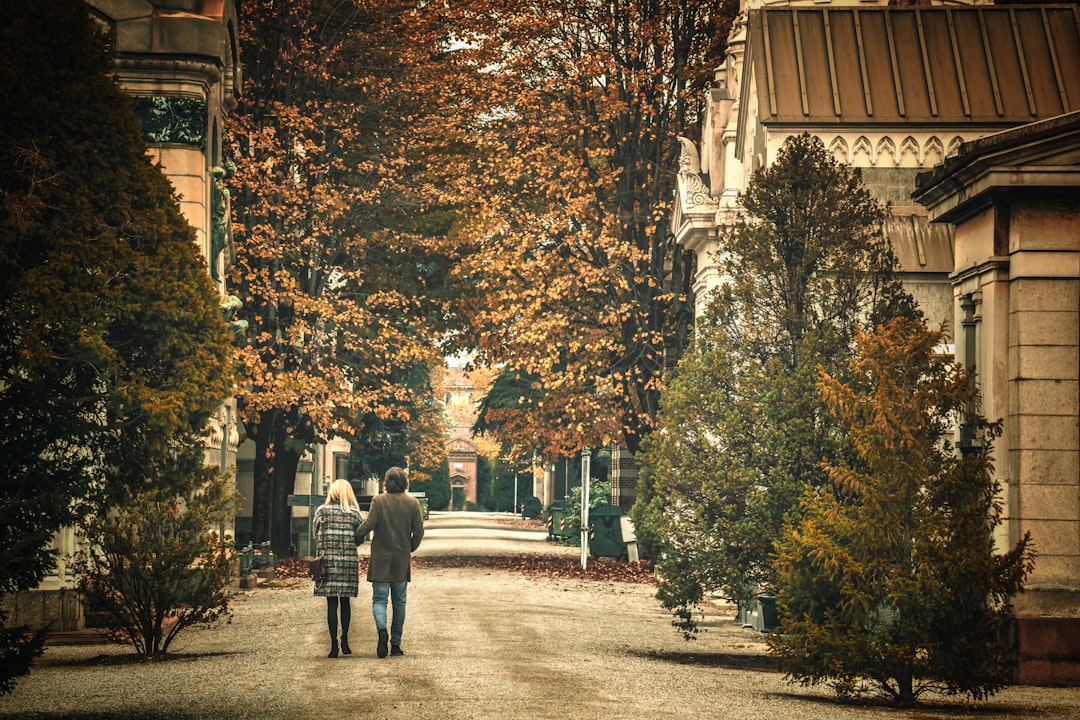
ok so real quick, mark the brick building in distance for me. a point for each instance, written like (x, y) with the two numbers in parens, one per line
(460, 403)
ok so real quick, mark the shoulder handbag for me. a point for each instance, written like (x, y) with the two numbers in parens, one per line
(317, 567)
(317, 570)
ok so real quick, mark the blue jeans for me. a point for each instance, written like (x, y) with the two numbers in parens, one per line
(379, 593)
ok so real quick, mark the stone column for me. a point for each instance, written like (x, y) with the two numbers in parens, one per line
(1014, 199)
(624, 477)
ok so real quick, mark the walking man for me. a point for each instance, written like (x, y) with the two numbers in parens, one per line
(397, 522)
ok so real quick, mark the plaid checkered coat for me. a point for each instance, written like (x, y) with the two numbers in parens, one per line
(335, 541)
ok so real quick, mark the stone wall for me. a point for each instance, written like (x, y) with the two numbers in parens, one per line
(1014, 200)
(58, 610)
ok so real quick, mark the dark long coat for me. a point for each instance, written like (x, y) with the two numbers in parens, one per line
(335, 542)
(397, 522)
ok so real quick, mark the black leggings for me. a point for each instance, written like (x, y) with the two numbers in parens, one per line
(332, 617)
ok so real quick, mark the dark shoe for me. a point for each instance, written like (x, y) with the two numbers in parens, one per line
(345, 647)
(384, 637)
(396, 651)
(333, 651)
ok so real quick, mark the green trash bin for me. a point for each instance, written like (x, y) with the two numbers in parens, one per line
(421, 497)
(531, 508)
(765, 615)
(559, 525)
(605, 532)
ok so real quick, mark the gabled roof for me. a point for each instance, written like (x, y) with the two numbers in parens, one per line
(984, 65)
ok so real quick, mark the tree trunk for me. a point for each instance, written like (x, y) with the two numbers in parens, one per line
(277, 454)
(906, 688)
(283, 486)
(263, 477)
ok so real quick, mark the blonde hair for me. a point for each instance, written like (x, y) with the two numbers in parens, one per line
(341, 492)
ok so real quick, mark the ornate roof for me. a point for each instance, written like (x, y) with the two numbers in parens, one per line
(984, 65)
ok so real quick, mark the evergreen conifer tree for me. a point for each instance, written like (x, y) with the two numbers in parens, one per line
(890, 583)
(742, 428)
(111, 338)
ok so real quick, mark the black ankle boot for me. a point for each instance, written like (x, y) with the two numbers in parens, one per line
(381, 648)
(333, 650)
(345, 647)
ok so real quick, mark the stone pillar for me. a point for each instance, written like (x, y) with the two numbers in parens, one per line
(624, 477)
(547, 486)
(1014, 201)
(1044, 387)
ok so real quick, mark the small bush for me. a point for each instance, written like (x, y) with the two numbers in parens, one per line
(158, 565)
(19, 647)
(599, 494)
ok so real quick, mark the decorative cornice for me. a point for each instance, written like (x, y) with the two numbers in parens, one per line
(209, 70)
(991, 265)
(695, 196)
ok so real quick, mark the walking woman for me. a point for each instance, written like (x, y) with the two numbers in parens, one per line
(335, 527)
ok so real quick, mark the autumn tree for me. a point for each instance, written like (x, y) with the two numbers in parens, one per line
(111, 337)
(335, 267)
(743, 430)
(890, 582)
(561, 153)
(410, 437)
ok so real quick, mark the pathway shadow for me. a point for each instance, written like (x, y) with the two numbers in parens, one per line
(733, 661)
(931, 709)
(134, 659)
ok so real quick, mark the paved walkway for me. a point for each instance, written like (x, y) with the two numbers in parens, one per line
(485, 534)
(480, 643)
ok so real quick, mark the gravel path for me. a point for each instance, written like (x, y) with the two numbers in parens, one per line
(480, 643)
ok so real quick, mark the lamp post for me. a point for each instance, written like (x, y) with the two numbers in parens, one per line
(586, 453)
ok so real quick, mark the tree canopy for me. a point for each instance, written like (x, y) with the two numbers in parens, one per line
(560, 155)
(335, 266)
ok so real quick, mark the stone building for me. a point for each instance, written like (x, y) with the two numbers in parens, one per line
(889, 90)
(1014, 200)
(897, 91)
(463, 458)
